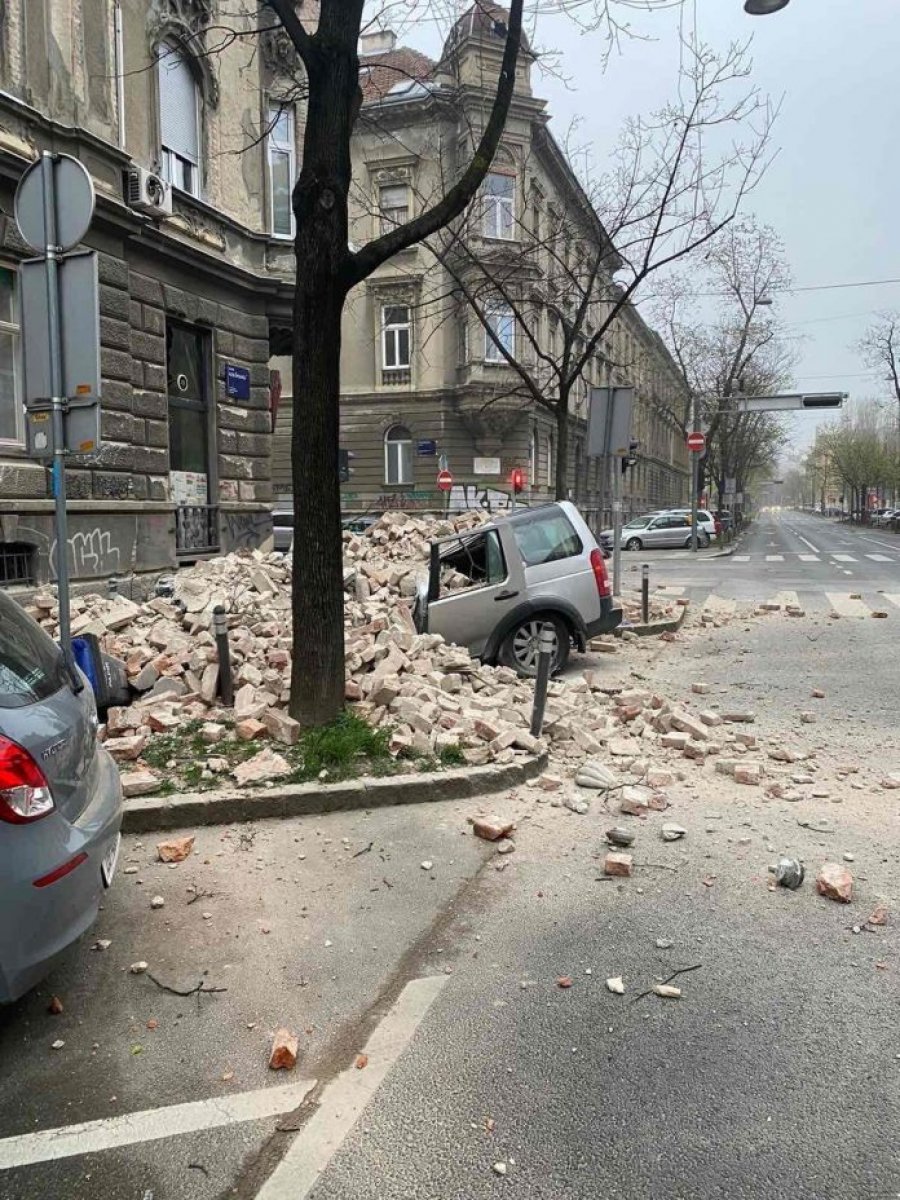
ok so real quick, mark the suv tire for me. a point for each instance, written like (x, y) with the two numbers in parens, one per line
(702, 540)
(520, 646)
(634, 544)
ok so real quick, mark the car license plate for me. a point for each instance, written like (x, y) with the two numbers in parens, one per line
(108, 865)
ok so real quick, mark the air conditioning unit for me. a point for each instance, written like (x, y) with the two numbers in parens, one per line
(148, 192)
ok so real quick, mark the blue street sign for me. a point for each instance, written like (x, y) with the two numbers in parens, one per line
(237, 382)
(426, 449)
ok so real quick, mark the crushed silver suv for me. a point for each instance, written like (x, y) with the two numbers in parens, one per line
(491, 589)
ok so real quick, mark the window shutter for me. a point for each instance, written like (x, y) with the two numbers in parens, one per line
(178, 107)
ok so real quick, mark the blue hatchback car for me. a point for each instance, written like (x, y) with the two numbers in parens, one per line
(60, 804)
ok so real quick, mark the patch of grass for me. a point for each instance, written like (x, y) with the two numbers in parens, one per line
(175, 745)
(452, 756)
(348, 746)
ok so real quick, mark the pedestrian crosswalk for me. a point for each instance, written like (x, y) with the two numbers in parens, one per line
(822, 601)
(822, 556)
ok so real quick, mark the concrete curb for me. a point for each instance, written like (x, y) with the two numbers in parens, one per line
(145, 813)
(655, 627)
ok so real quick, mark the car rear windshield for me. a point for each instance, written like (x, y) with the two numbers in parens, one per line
(545, 537)
(31, 666)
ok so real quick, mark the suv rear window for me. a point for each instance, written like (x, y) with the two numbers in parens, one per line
(545, 537)
(31, 667)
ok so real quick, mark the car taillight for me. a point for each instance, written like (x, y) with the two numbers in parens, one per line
(598, 566)
(24, 791)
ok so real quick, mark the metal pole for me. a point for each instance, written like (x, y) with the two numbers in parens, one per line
(695, 480)
(58, 402)
(645, 593)
(220, 632)
(617, 526)
(546, 644)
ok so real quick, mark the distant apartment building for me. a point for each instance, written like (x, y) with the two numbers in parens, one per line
(193, 150)
(423, 384)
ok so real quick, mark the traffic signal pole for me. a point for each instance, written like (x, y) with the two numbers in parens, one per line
(695, 480)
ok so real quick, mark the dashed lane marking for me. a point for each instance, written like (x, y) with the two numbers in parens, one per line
(879, 557)
(741, 557)
(774, 558)
(151, 1125)
(806, 542)
(843, 558)
(893, 598)
(845, 606)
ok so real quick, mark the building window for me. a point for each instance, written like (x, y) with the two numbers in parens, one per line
(395, 337)
(11, 416)
(282, 169)
(179, 119)
(398, 459)
(393, 205)
(533, 459)
(498, 204)
(548, 478)
(502, 325)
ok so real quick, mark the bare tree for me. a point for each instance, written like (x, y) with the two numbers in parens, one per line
(677, 181)
(740, 351)
(880, 349)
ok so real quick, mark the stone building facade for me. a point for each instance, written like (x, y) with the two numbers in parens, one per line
(195, 271)
(422, 383)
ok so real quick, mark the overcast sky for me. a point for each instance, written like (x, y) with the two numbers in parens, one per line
(832, 193)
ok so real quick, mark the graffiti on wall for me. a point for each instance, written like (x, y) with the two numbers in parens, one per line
(464, 496)
(92, 552)
(245, 530)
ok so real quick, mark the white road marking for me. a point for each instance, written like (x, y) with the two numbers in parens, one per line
(741, 557)
(845, 606)
(719, 605)
(151, 1125)
(786, 599)
(774, 558)
(893, 598)
(344, 1100)
(809, 558)
(879, 558)
(814, 549)
(843, 558)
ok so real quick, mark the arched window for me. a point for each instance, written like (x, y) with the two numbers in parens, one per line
(533, 460)
(398, 455)
(548, 479)
(179, 119)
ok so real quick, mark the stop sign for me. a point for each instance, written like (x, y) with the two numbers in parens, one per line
(696, 442)
(444, 481)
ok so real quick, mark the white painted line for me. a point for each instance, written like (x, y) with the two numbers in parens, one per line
(809, 558)
(842, 604)
(344, 1100)
(879, 558)
(151, 1125)
(741, 557)
(893, 598)
(843, 558)
(774, 558)
(786, 599)
(815, 549)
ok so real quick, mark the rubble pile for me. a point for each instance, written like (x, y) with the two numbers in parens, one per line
(433, 696)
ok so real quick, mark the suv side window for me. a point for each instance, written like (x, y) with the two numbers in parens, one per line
(546, 537)
(31, 667)
(479, 557)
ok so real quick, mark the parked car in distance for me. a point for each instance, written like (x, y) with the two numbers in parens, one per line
(884, 516)
(657, 531)
(534, 567)
(707, 522)
(283, 526)
(60, 804)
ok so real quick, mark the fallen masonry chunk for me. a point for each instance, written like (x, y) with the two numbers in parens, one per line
(505, 846)
(785, 754)
(616, 985)
(158, 902)
(667, 991)
(125, 749)
(576, 805)
(138, 968)
(835, 882)
(284, 1051)
(710, 718)
(426, 865)
(672, 832)
(617, 863)
(262, 767)
(701, 689)
(674, 741)
(738, 717)
(499, 1168)
(808, 718)
(818, 694)
(55, 1006)
(249, 729)
(283, 728)
(878, 915)
(892, 781)
(138, 783)
(564, 981)
(657, 778)
(174, 850)
(619, 837)
(549, 783)
(880, 613)
(595, 774)
(492, 828)
(789, 873)
(748, 773)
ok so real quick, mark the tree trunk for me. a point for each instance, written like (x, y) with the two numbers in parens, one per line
(562, 449)
(320, 207)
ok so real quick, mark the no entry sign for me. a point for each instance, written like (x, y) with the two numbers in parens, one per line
(696, 442)
(444, 481)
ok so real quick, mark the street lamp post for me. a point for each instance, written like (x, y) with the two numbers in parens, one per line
(762, 8)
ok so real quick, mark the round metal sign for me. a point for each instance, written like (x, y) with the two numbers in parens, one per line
(71, 201)
(444, 481)
(696, 442)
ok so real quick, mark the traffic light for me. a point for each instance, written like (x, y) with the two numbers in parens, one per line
(629, 459)
(517, 480)
(344, 468)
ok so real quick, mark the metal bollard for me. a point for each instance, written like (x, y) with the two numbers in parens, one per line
(220, 632)
(546, 643)
(112, 586)
(645, 593)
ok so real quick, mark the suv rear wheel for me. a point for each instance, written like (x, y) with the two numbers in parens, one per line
(702, 540)
(520, 648)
